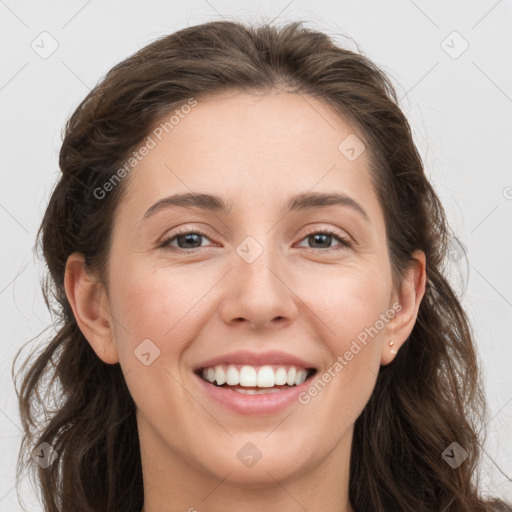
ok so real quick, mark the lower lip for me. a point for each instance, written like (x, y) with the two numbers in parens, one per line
(253, 404)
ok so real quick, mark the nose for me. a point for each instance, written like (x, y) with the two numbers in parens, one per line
(258, 295)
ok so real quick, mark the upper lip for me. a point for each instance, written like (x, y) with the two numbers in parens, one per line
(255, 359)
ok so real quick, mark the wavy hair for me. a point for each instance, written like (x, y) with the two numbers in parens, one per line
(430, 396)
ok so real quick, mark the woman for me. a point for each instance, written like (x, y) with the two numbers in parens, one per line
(253, 370)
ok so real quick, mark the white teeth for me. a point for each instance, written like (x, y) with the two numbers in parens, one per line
(250, 376)
(300, 377)
(291, 376)
(266, 378)
(232, 376)
(281, 376)
(220, 376)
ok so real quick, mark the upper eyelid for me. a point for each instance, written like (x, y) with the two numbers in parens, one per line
(191, 229)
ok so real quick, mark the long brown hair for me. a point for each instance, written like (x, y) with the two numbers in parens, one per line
(429, 397)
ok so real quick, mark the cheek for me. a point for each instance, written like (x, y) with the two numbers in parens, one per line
(351, 307)
(347, 301)
(161, 306)
(347, 307)
(157, 318)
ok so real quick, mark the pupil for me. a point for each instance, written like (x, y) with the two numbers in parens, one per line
(189, 237)
(319, 236)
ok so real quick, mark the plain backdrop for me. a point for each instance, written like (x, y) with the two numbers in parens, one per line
(451, 63)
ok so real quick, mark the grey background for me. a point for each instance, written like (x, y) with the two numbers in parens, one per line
(459, 104)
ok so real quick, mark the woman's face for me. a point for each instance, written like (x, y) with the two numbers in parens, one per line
(251, 286)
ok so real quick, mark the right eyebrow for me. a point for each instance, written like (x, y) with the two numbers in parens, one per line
(190, 200)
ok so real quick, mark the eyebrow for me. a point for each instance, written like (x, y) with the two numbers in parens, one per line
(299, 202)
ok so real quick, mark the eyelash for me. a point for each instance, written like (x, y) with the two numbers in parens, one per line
(344, 242)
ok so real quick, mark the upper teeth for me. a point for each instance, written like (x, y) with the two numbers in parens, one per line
(260, 376)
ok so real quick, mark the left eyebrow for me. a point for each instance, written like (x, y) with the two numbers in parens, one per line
(310, 200)
(302, 201)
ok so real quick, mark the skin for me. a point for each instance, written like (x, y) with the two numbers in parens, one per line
(255, 151)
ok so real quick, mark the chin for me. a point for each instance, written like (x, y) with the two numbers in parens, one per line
(248, 466)
(261, 475)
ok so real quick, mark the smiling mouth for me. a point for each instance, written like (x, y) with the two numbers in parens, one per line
(255, 380)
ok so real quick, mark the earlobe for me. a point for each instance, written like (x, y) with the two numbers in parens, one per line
(409, 296)
(89, 303)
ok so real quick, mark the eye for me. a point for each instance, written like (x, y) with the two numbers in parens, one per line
(185, 239)
(192, 240)
(325, 237)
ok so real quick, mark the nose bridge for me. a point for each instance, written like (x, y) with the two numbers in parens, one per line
(258, 292)
(259, 263)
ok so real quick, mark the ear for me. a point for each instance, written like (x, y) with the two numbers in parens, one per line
(409, 296)
(89, 301)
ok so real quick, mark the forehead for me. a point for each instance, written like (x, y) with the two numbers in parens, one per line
(260, 148)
